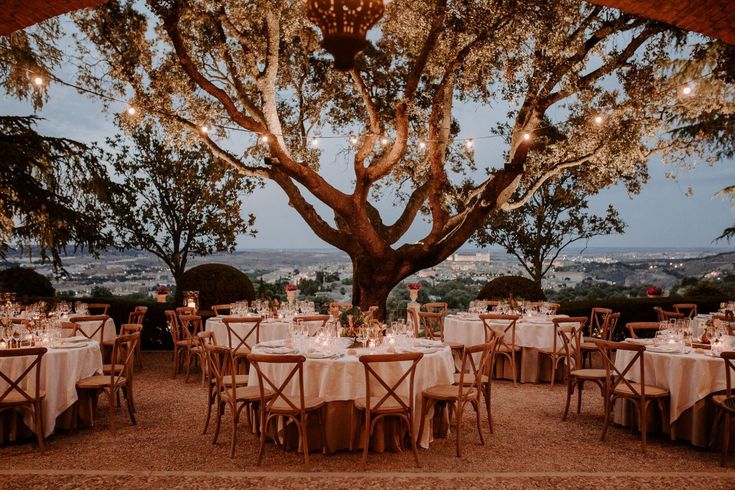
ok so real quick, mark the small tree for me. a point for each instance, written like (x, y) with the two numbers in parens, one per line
(554, 218)
(174, 202)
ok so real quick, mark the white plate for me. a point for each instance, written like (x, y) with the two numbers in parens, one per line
(278, 350)
(318, 355)
(272, 343)
(74, 345)
(664, 350)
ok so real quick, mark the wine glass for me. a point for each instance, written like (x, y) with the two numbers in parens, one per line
(362, 336)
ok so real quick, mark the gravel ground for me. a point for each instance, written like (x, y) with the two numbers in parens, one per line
(531, 448)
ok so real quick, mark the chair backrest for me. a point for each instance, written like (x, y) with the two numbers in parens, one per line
(173, 324)
(185, 310)
(553, 307)
(189, 327)
(128, 328)
(123, 351)
(70, 326)
(616, 377)
(372, 364)
(433, 324)
(500, 326)
(438, 307)
(665, 316)
(634, 328)
(221, 309)
(337, 306)
(313, 318)
(729, 358)
(724, 320)
(689, 310)
(243, 338)
(610, 325)
(137, 315)
(597, 321)
(94, 332)
(559, 344)
(98, 308)
(221, 364)
(475, 369)
(570, 335)
(16, 384)
(413, 314)
(280, 390)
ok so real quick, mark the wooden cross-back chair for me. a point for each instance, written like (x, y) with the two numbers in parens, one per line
(227, 389)
(725, 413)
(314, 318)
(605, 324)
(137, 316)
(413, 315)
(126, 329)
(557, 351)
(97, 329)
(433, 326)
(617, 386)
(275, 401)
(570, 336)
(665, 316)
(373, 407)
(553, 307)
(636, 328)
(119, 380)
(688, 310)
(185, 310)
(181, 346)
(98, 308)
(189, 328)
(20, 398)
(241, 341)
(504, 327)
(468, 389)
(221, 309)
(437, 307)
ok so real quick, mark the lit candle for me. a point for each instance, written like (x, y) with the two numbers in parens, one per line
(3, 345)
(191, 304)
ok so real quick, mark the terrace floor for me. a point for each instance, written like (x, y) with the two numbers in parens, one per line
(531, 447)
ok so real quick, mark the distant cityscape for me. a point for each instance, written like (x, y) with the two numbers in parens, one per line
(127, 273)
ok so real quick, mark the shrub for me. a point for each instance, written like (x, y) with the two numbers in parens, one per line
(504, 286)
(216, 283)
(25, 283)
(705, 289)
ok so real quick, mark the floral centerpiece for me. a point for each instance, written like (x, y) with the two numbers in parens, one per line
(653, 292)
(413, 290)
(350, 320)
(291, 291)
(161, 293)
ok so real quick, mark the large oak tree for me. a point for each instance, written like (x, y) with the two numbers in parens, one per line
(256, 66)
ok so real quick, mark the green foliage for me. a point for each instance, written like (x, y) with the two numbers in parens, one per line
(216, 283)
(589, 290)
(101, 292)
(554, 218)
(504, 286)
(172, 200)
(308, 287)
(25, 283)
(42, 202)
(705, 289)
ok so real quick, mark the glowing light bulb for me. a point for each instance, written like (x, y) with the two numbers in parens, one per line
(131, 111)
(526, 136)
(469, 143)
(384, 141)
(204, 129)
(264, 138)
(686, 89)
(422, 145)
(315, 142)
(599, 119)
(38, 81)
(353, 140)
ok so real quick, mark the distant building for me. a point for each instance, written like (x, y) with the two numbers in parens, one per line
(477, 257)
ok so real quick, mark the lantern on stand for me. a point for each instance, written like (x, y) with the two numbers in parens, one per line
(344, 24)
(191, 299)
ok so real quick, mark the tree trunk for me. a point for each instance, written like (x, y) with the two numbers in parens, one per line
(373, 278)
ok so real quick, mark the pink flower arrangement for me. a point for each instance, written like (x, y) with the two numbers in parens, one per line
(653, 291)
(291, 287)
(414, 286)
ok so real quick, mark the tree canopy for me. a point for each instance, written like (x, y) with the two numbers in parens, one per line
(207, 69)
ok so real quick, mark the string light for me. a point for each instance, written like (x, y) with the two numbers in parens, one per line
(353, 140)
(687, 89)
(38, 81)
(264, 139)
(204, 129)
(384, 141)
(599, 119)
(526, 136)
(469, 143)
(131, 110)
(315, 142)
(422, 145)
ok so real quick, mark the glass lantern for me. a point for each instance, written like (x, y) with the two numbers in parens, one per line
(191, 299)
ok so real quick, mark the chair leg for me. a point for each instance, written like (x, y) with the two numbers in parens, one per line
(235, 417)
(111, 400)
(580, 388)
(725, 438)
(513, 367)
(487, 405)
(305, 437)
(366, 439)
(129, 402)
(424, 409)
(554, 360)
(459, 428)
(570, 390)
(188, 365)
(414, 443)
(476, 406)
(263, 430)
(322, 422)
(608, 408)
(643, 412)
(218, 422)
(38, 416)
(210, 402)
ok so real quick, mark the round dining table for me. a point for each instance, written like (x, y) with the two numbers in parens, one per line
(340, 379)
(270, 329)
(533, 332)
(690, 377)
(64, 364)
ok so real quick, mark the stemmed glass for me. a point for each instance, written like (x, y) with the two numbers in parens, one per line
(7, 333)
(17, 334)
(362, 336)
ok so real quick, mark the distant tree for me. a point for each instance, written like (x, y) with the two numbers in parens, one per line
(43, 202)
(554, 218)
(308, 287)
(169, 199)
(101, 292)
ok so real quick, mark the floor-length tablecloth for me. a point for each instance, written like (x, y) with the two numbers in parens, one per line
(690, 379)
(340, 381)
(532, 334)
(60, 371)
(270, 329)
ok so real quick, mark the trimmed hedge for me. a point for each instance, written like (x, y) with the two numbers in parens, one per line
(216, 283)
(25, 283)
(503, 286)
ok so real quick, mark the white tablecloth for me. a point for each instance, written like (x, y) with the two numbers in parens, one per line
(344, 379)
(688, 377)
(60, 371)
(108, 331)
(270, 329)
